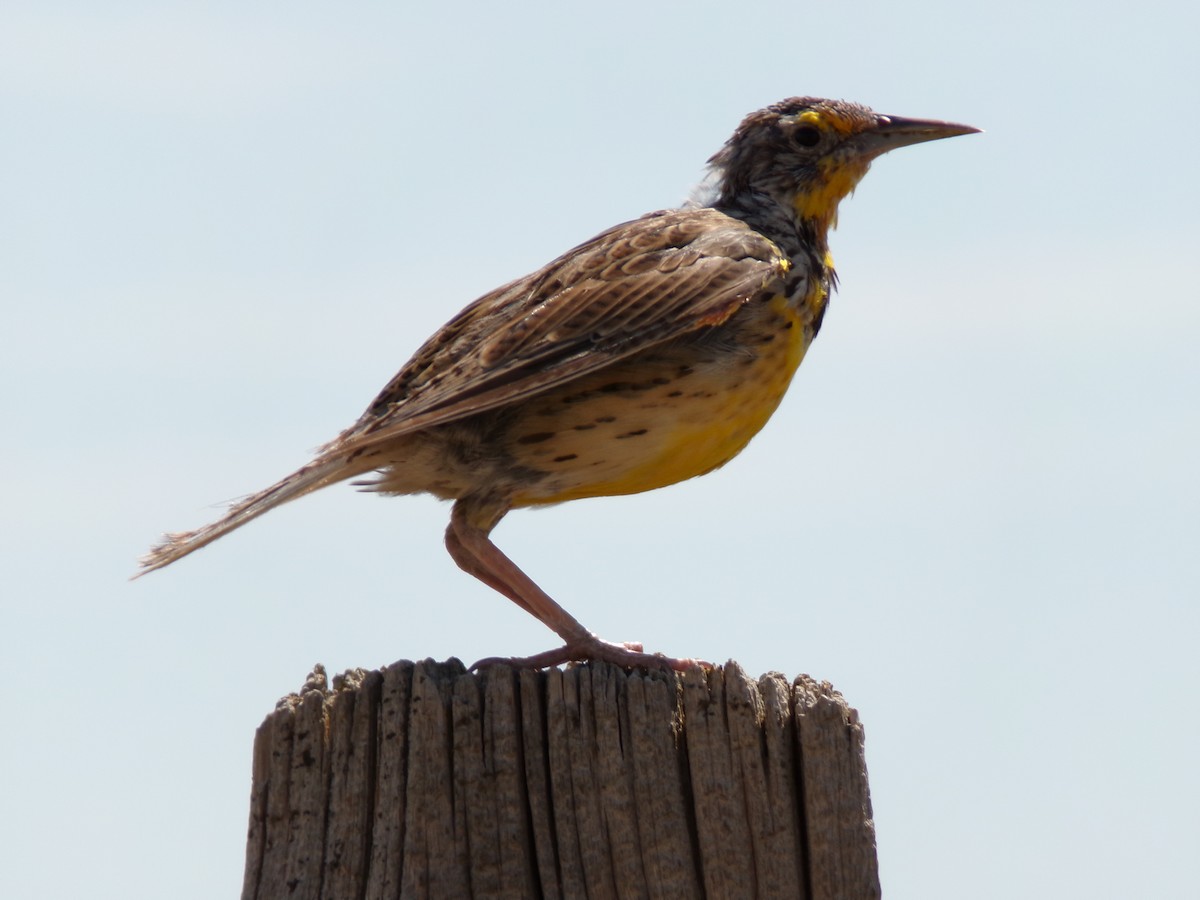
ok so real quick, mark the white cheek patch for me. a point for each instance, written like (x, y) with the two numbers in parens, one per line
(707, 189)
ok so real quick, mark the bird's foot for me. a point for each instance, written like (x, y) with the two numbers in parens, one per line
(627, 655)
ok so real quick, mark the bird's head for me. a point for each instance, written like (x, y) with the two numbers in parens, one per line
(804, 155)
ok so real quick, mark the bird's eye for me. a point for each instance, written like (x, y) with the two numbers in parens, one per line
(807, 136)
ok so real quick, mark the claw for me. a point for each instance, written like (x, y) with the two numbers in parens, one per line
(627, 655)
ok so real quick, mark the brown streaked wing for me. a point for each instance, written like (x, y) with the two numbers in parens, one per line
(628, 288)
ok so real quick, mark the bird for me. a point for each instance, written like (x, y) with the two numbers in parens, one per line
(650, 354)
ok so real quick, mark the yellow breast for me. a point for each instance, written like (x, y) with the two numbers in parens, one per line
(663, 416)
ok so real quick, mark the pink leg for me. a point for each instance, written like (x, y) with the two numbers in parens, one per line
(471, 548)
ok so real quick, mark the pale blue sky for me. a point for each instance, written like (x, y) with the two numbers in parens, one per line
(977, 512)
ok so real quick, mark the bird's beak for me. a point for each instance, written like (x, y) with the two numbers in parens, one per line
(891, 132)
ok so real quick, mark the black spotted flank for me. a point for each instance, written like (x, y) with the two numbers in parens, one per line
(566, 458)
(535, 438)
(630, 434)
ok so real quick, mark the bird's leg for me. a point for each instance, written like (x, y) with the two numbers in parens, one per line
(469, 545)
(469, 564)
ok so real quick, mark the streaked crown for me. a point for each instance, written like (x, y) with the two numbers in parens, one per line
(797, 159)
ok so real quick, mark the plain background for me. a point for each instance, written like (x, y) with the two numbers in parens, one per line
(223, 227)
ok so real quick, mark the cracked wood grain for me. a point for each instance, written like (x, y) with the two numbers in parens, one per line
(425, 780)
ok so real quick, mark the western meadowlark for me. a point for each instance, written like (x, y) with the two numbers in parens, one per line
(648, 355)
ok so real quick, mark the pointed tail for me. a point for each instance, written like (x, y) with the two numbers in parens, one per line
(326, 469)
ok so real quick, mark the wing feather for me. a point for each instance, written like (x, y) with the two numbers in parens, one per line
(629, 288)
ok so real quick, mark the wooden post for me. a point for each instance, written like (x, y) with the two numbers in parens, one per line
(424, 780)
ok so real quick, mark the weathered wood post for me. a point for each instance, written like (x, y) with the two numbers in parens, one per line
(424, 780)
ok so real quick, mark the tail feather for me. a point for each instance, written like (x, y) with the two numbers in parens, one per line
(324, 470)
